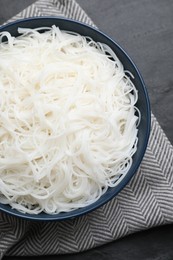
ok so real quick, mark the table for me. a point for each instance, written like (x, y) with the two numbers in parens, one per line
(144, 29)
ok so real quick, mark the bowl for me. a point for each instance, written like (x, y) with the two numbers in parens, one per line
(143, 105)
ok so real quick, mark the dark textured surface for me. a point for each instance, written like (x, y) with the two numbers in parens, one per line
(9, 8)
(145, 29)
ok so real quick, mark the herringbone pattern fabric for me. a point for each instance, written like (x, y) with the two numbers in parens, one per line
(146, 201)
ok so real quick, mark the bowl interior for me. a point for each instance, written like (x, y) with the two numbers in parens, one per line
(142, 104)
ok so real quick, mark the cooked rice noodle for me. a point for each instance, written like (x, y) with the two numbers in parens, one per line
(68, 121)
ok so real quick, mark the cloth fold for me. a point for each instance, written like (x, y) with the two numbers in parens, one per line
(147, 200)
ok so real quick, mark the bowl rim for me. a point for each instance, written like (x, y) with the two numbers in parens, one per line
(91, 207)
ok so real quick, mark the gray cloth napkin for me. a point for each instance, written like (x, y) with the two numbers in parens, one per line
(147, 200)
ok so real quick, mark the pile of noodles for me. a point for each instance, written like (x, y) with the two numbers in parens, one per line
(68, 124)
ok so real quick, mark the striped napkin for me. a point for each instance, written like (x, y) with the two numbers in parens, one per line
(147, 200)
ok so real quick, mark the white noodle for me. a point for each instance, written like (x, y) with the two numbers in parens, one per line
(68, 128)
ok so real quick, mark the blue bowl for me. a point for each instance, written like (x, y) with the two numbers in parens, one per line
(143, 105)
